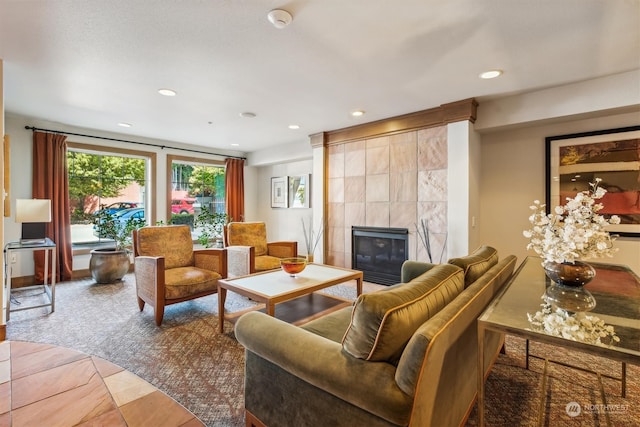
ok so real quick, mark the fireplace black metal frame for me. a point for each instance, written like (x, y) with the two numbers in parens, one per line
(380, 264)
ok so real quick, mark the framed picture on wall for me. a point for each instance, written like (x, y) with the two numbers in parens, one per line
(613, 155)
(279, 192)
(299, 191)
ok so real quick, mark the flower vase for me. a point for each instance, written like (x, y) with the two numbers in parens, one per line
(309, 259)
(566, 290)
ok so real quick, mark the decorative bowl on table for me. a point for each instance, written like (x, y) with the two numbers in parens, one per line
(293, 266)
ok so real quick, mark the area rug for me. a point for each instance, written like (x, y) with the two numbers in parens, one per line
(203, 370)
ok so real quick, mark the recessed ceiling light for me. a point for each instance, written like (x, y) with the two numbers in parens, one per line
(124, 125)
(357, 113)
(294, 127)
(248, 115)
(235, 144)
(167, 92)
(491, 74)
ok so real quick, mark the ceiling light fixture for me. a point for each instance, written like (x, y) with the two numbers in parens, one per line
(357, 113)
(279, 18)
(248, 115)
(124, 125)
(235, 144)
(167, 92)
(491, 74)
(294, 127)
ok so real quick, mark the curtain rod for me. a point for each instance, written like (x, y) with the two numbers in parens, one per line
(162, 147)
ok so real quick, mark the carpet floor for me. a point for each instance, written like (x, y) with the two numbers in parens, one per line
(203, 370)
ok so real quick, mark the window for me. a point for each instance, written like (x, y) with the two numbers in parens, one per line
(109, 180)
(195, 185)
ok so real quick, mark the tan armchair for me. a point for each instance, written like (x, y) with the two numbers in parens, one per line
(169, 271)
(249, 252)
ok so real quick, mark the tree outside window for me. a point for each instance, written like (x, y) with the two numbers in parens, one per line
(102, 181)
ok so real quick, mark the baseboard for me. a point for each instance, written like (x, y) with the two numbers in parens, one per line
(24, 281)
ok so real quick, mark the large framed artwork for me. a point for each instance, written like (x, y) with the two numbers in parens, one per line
(613, 155)
(279, 192)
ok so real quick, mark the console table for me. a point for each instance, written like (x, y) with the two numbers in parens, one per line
(616, 289)
(49, 247)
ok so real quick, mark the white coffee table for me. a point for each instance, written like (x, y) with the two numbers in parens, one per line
(276, 286)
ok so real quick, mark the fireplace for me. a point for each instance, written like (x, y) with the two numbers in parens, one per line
(379, 253)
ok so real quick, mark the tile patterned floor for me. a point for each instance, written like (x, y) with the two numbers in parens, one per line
(42, 384)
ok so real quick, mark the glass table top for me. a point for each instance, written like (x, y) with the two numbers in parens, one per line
(616, 290)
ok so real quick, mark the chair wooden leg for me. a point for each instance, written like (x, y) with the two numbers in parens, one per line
(141, 303)
(159, 311)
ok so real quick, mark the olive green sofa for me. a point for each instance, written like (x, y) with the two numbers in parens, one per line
(402, 356)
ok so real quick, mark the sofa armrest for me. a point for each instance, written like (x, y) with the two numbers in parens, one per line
(283, 249)
(213, 259)
(241, 260)
(322, 363)
(412, 269)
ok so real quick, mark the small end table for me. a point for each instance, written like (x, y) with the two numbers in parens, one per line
(49, 289)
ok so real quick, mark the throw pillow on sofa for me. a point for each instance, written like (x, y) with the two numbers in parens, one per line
(476, 264)
(383, 322)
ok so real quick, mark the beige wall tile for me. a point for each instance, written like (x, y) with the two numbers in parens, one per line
(354, 214)
(335, 214)
(354, 190)
(377, 214)
(355, 160)
(336, 190)
(377, 156)
(403, 187)
(432, 148)
(335, 238)
(402, 152)
(336, 162)
(377, 188)
(432, 185)
(403, 215)
(435, 213)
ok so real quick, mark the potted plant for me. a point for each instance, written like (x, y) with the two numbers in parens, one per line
(211, 226)
(108, 265)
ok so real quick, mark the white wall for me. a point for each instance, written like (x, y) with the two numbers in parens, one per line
(513, 176)
(283, 224)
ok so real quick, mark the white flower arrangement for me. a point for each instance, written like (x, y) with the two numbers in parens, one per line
(576, 327)
(573, 231)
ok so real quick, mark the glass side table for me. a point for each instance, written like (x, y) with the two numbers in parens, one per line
(49, 248)
(616, 289)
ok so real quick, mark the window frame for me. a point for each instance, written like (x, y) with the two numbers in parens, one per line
(150, 175)
(171, 158)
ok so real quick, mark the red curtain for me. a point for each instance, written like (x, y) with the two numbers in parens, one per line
(234, 189)
(50, 182)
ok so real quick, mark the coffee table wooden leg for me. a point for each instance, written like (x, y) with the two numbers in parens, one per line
(271, 309)
(359, 286)
(222, 296)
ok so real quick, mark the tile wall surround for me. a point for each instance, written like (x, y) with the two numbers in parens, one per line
(387, 181)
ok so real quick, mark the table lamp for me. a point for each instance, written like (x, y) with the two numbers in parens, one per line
(33, 214)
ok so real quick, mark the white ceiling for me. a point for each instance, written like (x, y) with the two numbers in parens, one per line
(95, 63)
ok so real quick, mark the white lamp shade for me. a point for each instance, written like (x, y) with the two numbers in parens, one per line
(33, 210)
